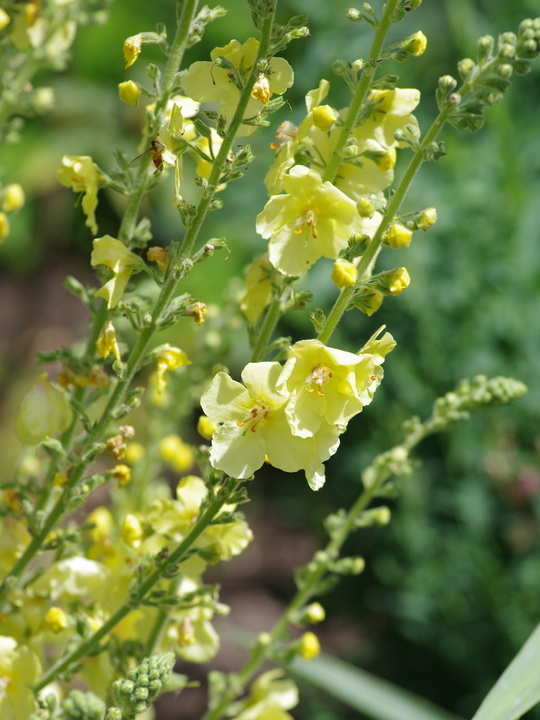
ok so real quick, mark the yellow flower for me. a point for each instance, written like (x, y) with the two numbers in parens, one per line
(208, 82)
(398, 236)
(4, 227)
(259, 289)
(315, 613)
(134, 452)
(107, 342)
(81, 174)
(178, 454)
(205, 427)
(309, 646)
(113, 254)
(168, 358)
(12, 197)
(44, 411)
(15, 538)
(129, 92)
(158, 255)
(344, 273)
(57, 620)
(122, 473)
(60, 479)
(19, 670)
(270, 696)
(132, 48)
(312, 220)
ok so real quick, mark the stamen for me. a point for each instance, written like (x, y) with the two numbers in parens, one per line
(319, 376)
(257, 414)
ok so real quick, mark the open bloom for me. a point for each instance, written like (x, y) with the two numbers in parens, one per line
(328, 385)
(254, 427)
(312, 220)
(114, 254)
(208, 82)
(269, 697)
(81, 174)
(44, 411)
(19, 670)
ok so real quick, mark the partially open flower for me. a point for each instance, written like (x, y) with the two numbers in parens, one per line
(81, 174)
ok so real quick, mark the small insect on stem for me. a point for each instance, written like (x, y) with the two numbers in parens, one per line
(155, 151)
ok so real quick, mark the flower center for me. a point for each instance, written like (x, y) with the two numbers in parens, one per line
(318, 377)
(257, 414)
(310, 219)
(284, 134)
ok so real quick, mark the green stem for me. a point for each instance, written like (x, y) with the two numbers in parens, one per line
(361, 91)
(271, 319)
(160, 624)
(174, 558)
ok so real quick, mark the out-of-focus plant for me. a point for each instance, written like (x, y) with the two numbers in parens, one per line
(113, 601)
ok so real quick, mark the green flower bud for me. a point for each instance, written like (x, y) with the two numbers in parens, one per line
(485, 47)
(466, 67)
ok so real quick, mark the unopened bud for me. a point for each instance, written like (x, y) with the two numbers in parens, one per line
(398, 236)
(398, 281)
(344, 273)
(416, 44)
(4, 19)
(485, 46)
(4, 227)
(324, 117)
(132, 531)
(354, 15)
(447, 83)
(129, 92)
(466, 67)
(56, 620)
(12, 197)
(315, 613)
(205, 427)
(309, 646)
(365, 208)
(427, 219)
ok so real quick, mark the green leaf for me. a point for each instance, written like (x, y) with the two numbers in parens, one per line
(366, 693)
(518, 689)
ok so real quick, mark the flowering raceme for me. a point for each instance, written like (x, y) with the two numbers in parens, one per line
(211, 82)
(312, 220)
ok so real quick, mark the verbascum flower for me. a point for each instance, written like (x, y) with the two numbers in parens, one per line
(71, 579)
(253, 427)
(208, 82)
(107, 342)
(327, 385)
(416, 44)
(4, 19)
(176, 517)
(391, 111)
(131, 49)
(81, 174)
(270, 696)
(205, 427)
(114, 254)
(398, 236)
(15, 538)
(168, 358)
(344, 273)
(56, 620)
(193, 636)
(314, 219)
(309, 646)
(259, 289)
(19, 670)
(427, 219)
(44, 412)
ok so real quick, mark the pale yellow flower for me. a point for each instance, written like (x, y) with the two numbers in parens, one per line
(114, 254)
(12, 197)
(44, 412)
(168, 358)
(312, 220)
(129, 92)
(19, 670)
(107, 342)
(207, 82)
(81, 174)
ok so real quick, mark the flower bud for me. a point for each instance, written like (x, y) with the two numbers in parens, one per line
(416, 44)
(398, 281)
(414, 4)
(372, 302)
(309, 646)
(344, 273)
(324, 117)
(354, 15)
(107, 342)
(42, 100)
(56, 620)
(504, 70)
(129, 92)
(398, 236)
(12, 197)
(44, 411)
(158, 255)
(4, 227)
(4, 19)
(427, 219)
(447, 83)
(131, 49)
(314, 613)
(205, 427)
(485, 46)
(466, 67)
(365, 208)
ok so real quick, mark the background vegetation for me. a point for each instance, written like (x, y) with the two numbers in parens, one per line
(452, 586)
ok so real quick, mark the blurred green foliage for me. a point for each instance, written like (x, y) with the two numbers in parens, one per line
(453, 584)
